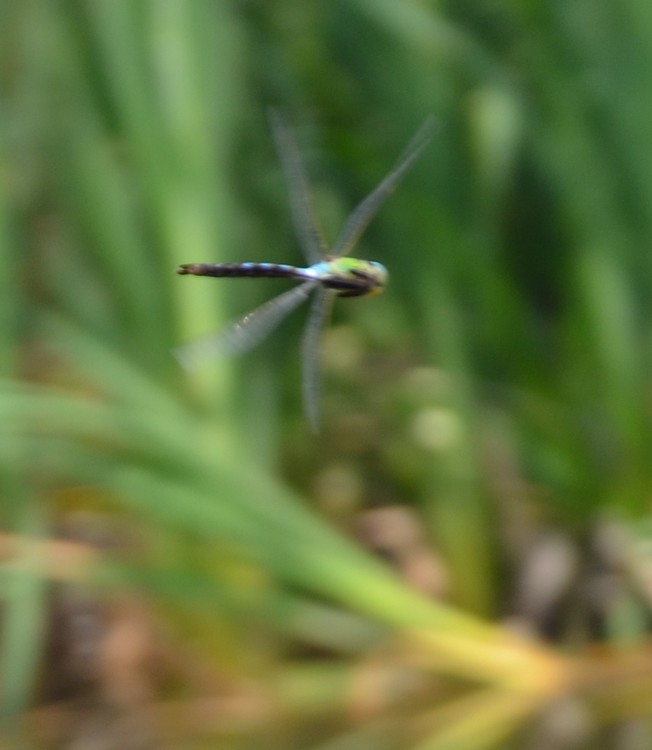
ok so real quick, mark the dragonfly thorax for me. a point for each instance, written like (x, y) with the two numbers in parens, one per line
(350, 277)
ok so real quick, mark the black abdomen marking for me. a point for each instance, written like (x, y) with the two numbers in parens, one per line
(240, 270)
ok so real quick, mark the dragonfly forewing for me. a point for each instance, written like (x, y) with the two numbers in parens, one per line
(310, 354)
(246, 332)
(367, 209)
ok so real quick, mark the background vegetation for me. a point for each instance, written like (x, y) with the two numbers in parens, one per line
(462, 558)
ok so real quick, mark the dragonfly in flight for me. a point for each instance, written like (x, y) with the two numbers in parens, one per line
(331, 272)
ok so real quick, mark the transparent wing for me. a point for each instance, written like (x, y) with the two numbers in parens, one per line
(304, 217)
(311, 351)
(246, 332)
(365, 211)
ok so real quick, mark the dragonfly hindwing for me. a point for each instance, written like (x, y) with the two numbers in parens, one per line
(246, 332)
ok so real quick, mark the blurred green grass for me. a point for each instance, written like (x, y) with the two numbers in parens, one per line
(499, 391)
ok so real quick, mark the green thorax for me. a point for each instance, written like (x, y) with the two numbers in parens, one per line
(351, 277)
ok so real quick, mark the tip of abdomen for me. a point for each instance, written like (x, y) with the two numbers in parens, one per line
(187, 268)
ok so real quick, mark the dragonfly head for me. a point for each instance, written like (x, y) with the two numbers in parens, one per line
(380, 276)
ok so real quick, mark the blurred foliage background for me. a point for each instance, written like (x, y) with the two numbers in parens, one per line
(461, 559)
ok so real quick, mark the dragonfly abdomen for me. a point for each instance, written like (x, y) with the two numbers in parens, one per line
(242, 270)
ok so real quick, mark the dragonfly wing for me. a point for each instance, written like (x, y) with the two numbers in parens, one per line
(304, 217)
(311, 351)
(365, 211)
(246, 332)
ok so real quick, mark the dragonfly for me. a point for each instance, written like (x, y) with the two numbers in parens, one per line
(330, 273)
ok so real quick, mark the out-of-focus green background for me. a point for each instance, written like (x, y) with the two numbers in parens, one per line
(461, 559)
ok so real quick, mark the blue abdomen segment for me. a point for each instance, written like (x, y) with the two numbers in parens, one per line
(242, 270)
